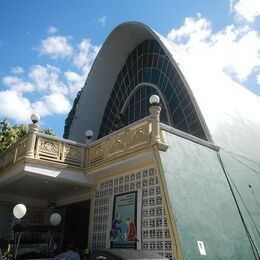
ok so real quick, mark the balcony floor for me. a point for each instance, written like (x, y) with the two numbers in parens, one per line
(44, 183)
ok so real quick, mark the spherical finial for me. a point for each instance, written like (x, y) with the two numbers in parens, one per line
(35, 118)
(89, 134)
(19, 211)
(55, 219)
(154, 100)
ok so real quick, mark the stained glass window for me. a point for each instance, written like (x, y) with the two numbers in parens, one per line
(147, 71)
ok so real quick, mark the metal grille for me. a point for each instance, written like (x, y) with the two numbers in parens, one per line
(155, 233)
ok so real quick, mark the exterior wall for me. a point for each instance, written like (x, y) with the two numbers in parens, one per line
(152, 227)
(244, 178)
(202, 203)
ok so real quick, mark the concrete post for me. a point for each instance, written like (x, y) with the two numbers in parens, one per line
(33, 129)
(155, 111)
(88, 141)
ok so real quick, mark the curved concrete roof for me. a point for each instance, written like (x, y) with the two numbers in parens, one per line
(228, 112)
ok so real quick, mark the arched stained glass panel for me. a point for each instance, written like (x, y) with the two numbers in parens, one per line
(149, 65)
(138, 105)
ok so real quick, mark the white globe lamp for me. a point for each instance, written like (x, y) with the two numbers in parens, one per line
(154, 100)
(89, 134)
(19, 211)
(35, 118)
(55, 219)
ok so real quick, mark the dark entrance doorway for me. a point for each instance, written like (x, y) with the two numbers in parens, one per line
(76, 224)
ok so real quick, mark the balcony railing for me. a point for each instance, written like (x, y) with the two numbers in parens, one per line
(121, 142)
(60, 150)
(46, 148)
(14, 153)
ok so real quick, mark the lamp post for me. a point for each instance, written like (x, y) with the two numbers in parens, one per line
(155, 111)
(19, 212)
(55, 220)
(33, 129)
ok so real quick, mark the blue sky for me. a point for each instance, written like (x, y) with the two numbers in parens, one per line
(47, 47)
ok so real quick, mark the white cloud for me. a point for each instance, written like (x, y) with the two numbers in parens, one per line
(17, 84)
(102, 20)
(47, 79)
(47, 105)
(17, 70)
(57, 103)
(193, 30)
(234, 50)
(56, 47)
(42, 80)
(52, 104)
(75, 81)
(21, 111)
(246, 9)
(51, 90)
(52, 30)
(23, 108)
(210, 65)
(85, 55)
(40, 107)
(258, 79)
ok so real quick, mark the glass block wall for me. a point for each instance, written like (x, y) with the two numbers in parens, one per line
(155, 235)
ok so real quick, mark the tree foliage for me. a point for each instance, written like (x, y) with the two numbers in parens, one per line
(9, 134)
(47, 131)
(71, 114)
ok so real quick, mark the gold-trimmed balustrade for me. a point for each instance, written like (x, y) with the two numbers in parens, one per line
(137, 135)
(45, 148)
(14, 153)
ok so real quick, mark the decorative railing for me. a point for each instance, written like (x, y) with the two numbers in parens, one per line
(47, 148)
(42, 147)
(121, 142)
(60, 150)
(14, 153)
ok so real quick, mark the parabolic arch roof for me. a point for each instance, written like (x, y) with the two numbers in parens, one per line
(229, 113)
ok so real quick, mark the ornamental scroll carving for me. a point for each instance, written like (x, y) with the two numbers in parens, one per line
(51, 148)
(138, 136)
(119, 143)
(72, 153)
(47, 149)
(116, 145)
(97, 152)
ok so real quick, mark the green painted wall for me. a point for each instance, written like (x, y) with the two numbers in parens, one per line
(244, 176)
(202, 203)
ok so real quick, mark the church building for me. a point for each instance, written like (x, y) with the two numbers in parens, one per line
(152, 158)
